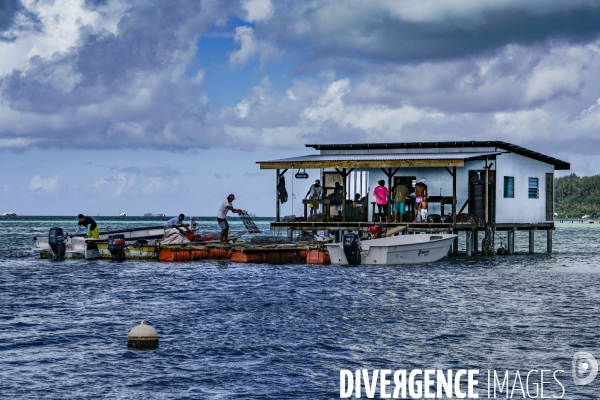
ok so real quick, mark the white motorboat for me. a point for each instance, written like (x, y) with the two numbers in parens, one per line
(394, 250)
(9, 214)
(78, 246)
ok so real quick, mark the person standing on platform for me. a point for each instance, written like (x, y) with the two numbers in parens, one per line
(423, 210)
(420, 194)
(315, 192)
(226, 206)
(175, 221)
(399, 194)
(381, 194)
(90, 224)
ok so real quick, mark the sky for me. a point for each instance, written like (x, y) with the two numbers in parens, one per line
(138, 106)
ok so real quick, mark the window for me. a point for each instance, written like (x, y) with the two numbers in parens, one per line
(509, 187)
(534, 188)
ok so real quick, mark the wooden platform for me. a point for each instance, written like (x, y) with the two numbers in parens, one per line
(410, 226)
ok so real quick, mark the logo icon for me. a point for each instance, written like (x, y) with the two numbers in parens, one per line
(584, 367)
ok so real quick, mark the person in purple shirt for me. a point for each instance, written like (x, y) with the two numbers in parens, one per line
(175, 221)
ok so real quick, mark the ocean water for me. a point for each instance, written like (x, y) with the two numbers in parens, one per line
(255, 331)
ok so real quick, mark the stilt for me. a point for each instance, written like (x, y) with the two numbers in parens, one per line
(290, 234)
(475, 242)
(455, 246)
(336, 236)
(511, 242)
(549, 240)
(469, 242)
(531, 242)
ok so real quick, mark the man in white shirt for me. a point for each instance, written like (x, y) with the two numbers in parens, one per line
(226, 206)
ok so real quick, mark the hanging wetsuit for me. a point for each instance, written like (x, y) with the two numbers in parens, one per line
(281, 190)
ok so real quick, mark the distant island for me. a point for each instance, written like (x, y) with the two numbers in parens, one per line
(577, 196)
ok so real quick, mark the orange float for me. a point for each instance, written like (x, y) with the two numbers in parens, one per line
(269, 257)
(318, 257)
(168, 255)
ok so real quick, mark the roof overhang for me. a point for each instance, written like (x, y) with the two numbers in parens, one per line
(497, 145)
(413, 160)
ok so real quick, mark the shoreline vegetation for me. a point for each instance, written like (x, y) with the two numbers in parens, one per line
(576, 196)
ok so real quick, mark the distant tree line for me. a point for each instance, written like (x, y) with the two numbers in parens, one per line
(577, 196)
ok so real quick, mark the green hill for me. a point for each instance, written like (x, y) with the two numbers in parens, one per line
(577, 196)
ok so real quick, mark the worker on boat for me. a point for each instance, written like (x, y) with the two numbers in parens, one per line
(420, 194)
(175, 221)
(90, 225)
(226, 206)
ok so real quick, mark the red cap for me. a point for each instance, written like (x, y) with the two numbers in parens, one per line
(231, 196)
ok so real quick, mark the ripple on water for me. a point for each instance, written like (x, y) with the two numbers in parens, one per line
(261, 331)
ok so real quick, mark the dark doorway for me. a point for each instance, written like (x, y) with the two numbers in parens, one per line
(477, 194)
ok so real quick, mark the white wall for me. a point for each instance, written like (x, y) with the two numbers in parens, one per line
(520, 209)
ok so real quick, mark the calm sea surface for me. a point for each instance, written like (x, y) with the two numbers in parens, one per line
(284, 332)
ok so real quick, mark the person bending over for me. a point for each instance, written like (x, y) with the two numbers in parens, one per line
(175, 221)
(90, 225)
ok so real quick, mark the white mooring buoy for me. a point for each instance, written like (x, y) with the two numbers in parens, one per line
(142, 336)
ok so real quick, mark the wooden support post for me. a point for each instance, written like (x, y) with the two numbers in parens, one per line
(475, 241)
(531, 242)
(290, 234)
(469, 243)
(277, 211)
(455, 246)
(511, 242)
(549, 240)
(389, 199)
(485, 203)
(344, 194)
(389, 173)
(453, 195)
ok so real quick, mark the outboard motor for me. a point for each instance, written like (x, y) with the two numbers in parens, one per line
(447, 219)
(352, 248)
(434, 218)
(116, 246)
(56, 240)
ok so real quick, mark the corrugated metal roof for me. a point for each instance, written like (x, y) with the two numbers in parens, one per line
(383, 157)
(558, 164)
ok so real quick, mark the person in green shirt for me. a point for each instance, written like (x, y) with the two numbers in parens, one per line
(399, 194)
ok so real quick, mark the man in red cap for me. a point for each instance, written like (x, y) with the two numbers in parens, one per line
(226, 206)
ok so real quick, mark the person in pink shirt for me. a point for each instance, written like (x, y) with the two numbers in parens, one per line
(381, 199)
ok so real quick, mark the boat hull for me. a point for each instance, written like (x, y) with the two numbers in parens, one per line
(397, 250)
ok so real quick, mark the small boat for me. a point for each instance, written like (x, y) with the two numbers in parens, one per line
(9, 214)
(78, 246)
(122, 215)
(394, 250)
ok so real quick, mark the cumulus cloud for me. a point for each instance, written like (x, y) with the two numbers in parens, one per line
(244, 36)
(125, 74)
(131, 169)
(257, 10)
(48, 185)
(115, 185)
(162, 171)
(160, 185)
